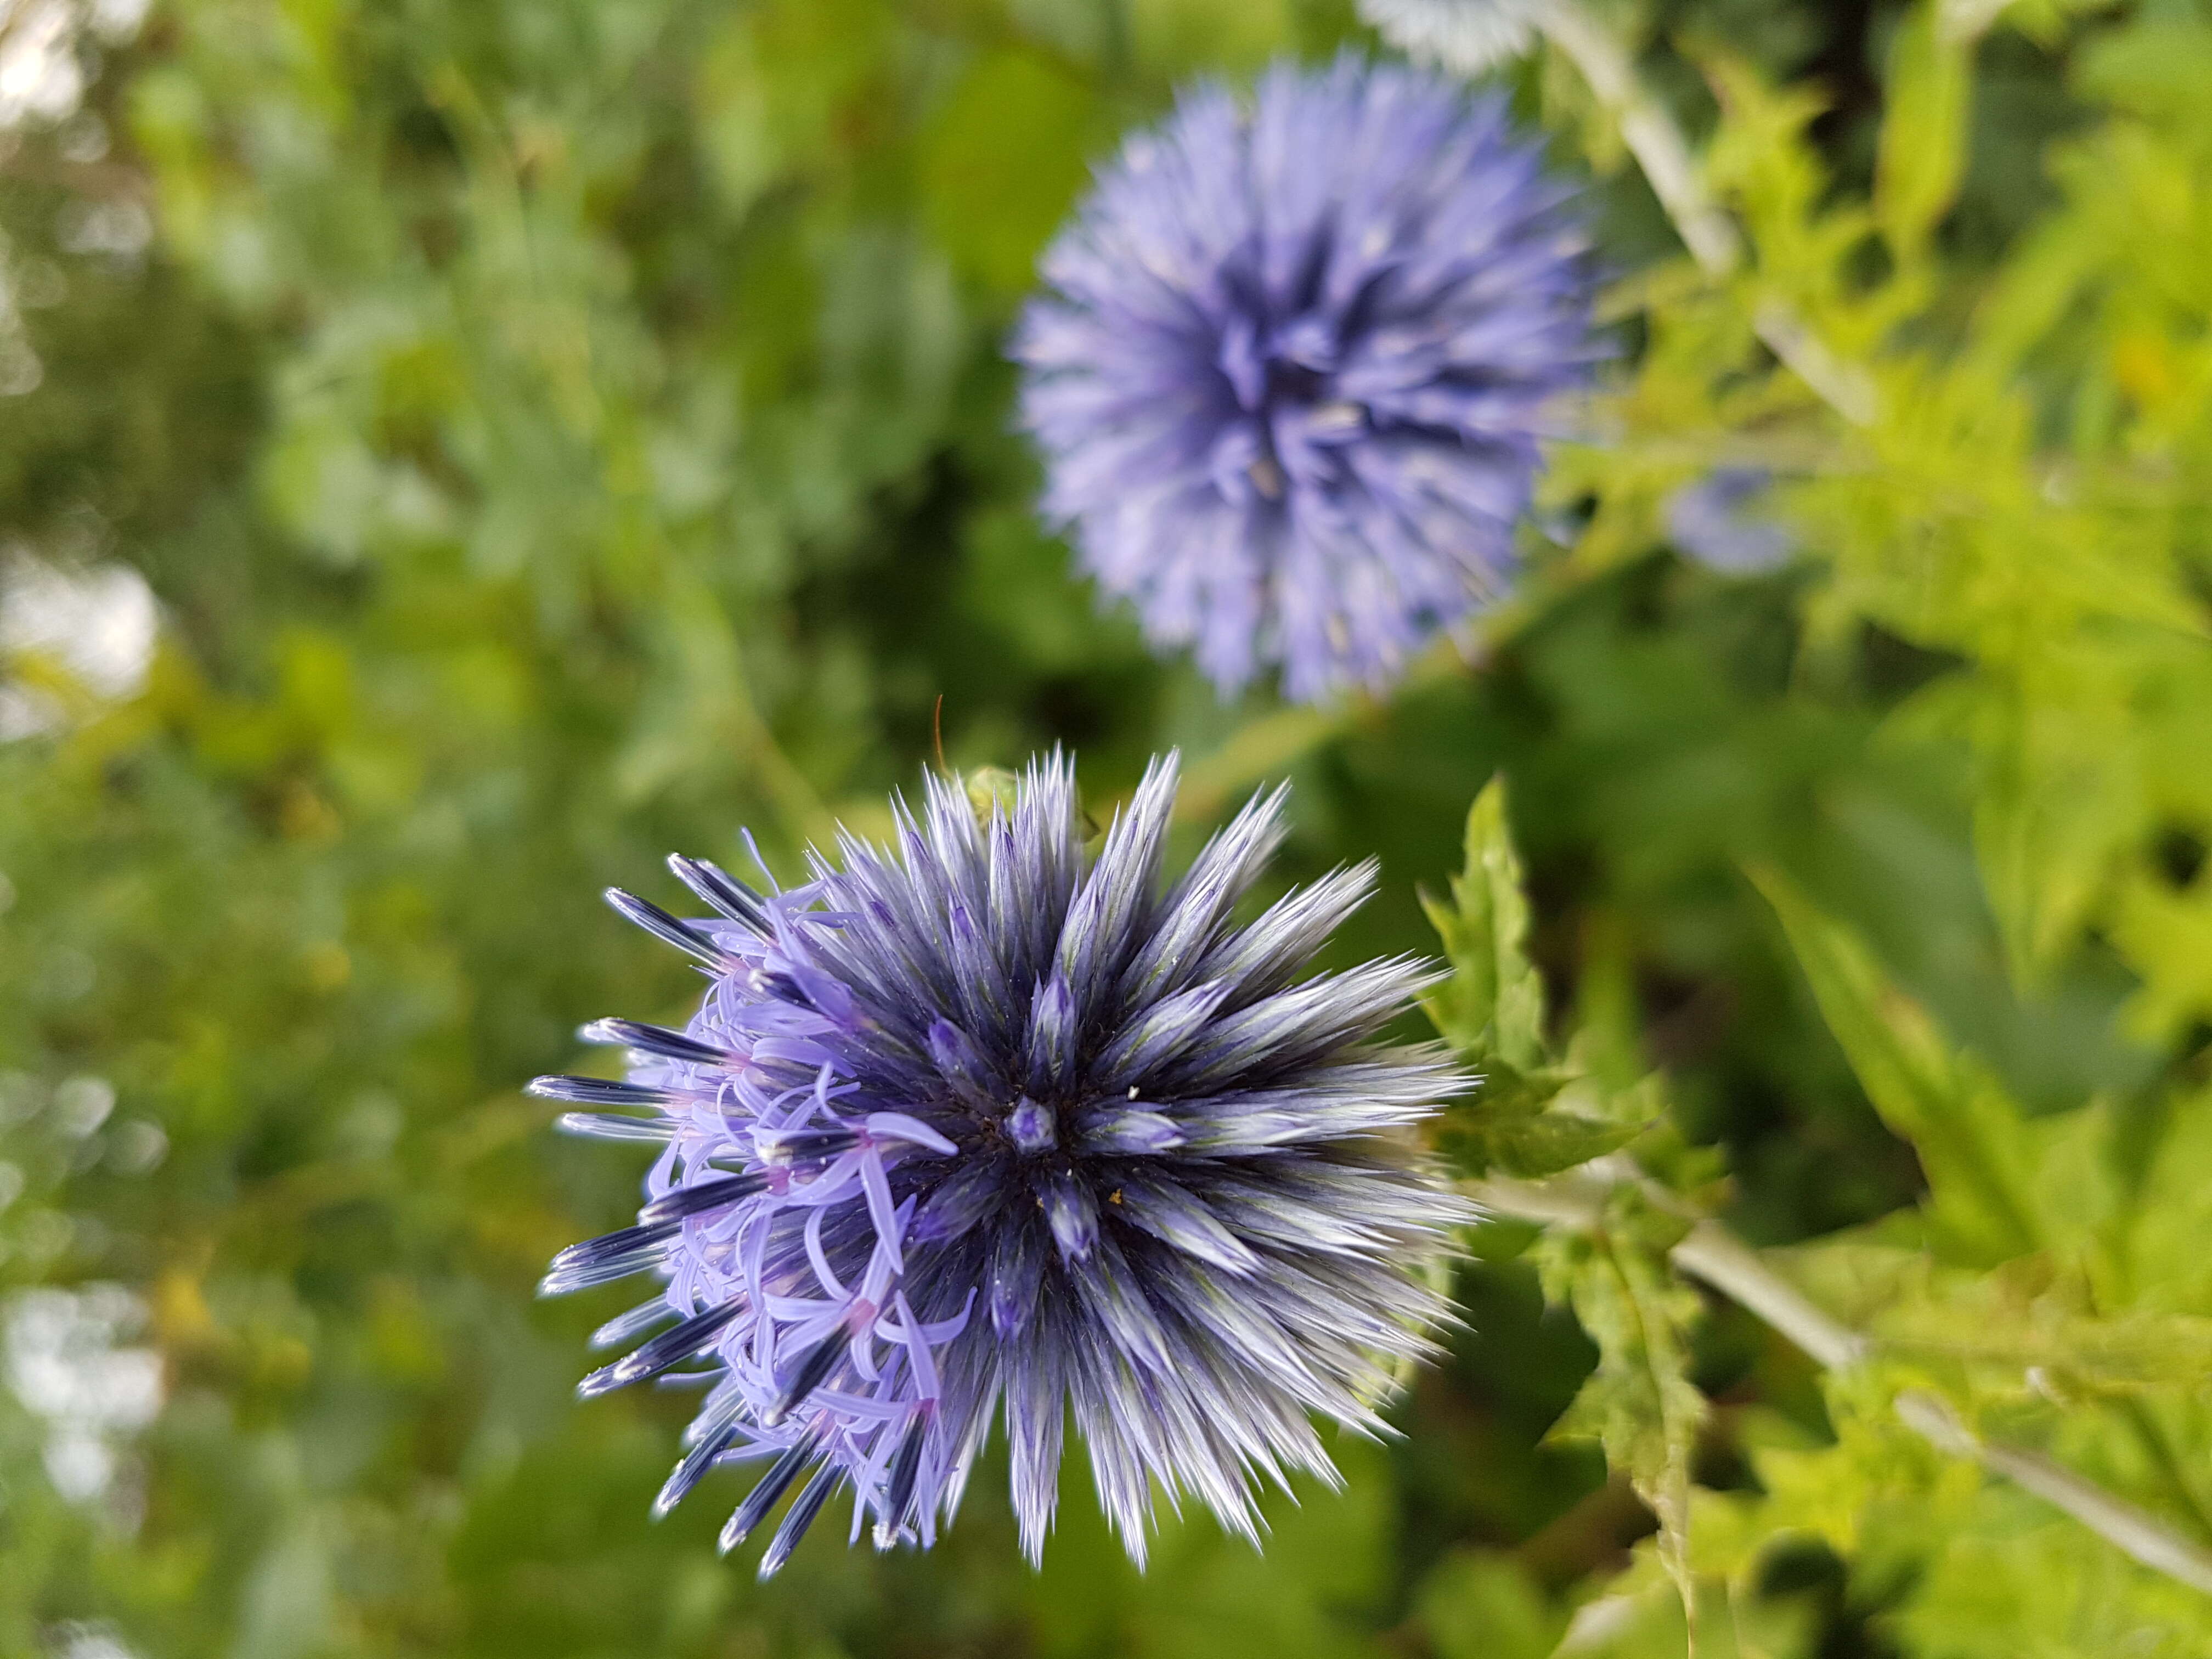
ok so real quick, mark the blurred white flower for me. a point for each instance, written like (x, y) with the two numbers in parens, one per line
(98, 624)
(44, 74)
(139, 1147)
(120, 229)
(82, 1105)
(1470, 37)
(64, 1361)
(41, 75)
(115, 20)
(85, 1639)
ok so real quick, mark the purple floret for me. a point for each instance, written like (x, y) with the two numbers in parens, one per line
(985, 1128)
(1293, 364)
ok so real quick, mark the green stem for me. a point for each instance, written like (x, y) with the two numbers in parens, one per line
(1264, 748)
(1663, 156)
(1716, 1257)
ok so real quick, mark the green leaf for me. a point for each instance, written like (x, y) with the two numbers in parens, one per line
(1639, 1402)
(1527, 1147)
(1923, 152)
(1492, 1009)
(1173, 36)
(1970, 1138)
(1479, 1606)
(1002, 163)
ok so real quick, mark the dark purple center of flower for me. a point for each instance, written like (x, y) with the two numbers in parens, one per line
(1290, 382)
(1280, 411)
(1030, 1126)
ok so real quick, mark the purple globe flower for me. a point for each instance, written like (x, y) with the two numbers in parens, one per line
(985, 1127)
(1717, 519)
(1294, 363)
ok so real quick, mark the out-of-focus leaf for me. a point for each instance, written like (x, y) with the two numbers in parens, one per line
(1479, 1606)
(1924, 130)
(2169, 932)
(1003, 161)
(1969, 1136)
(1173, 36)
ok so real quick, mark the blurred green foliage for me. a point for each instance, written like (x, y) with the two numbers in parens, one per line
(560, 431)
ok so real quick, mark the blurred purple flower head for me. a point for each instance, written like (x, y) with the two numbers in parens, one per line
(1716, 521)
(984, 1125)
(1294, 362)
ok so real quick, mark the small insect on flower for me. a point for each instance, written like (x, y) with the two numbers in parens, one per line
(1293, 365)
(982, 1125)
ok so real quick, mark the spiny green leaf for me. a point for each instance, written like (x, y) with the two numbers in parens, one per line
(1492, 1009)
(1529, 1147)
(1530, 1125)
(1639, 1402)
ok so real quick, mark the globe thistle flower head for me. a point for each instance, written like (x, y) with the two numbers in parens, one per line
(1293, 363)
(1719, 520)
(981, 1127)
(1470, 37)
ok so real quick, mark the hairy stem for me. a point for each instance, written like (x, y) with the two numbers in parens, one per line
(1262, 749)
(2139, 1533)
(1662, 152)
(1716, 1257)
(1649, 131)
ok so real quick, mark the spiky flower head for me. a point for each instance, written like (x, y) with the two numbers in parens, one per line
(1471, 37)
(981, 1127)
(1294, 363)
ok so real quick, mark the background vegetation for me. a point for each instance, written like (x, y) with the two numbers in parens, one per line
(560, 431)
